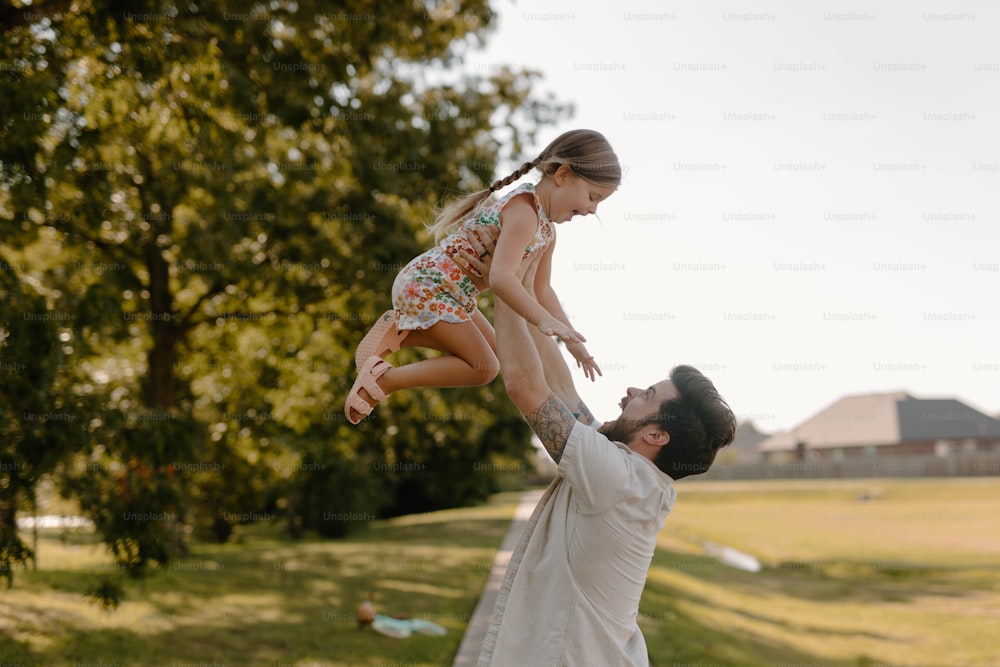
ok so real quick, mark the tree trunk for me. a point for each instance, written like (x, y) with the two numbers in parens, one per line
(160, 390)
(34, 530)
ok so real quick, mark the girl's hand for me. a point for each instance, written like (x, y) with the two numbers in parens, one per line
(550, 326)
(584, 360)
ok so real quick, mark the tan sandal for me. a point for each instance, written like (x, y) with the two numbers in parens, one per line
(383, 338)
(373, 368)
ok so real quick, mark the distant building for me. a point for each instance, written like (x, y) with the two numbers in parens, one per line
(745, 447)
(886, 424)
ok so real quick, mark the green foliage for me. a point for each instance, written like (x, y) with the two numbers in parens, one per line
(218, 203)
(437, 450)
(107, 592)
(35, 429)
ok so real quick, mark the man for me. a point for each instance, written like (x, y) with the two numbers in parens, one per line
(571, 591)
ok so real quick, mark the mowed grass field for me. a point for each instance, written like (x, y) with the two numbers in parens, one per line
(886, 573)
(264, 600)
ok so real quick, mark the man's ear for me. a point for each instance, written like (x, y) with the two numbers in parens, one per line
(656, 437)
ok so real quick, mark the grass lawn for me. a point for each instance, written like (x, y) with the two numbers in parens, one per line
(856, 572)
(871, 573)
(263, 601)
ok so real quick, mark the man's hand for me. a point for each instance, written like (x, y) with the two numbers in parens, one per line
(483, 239)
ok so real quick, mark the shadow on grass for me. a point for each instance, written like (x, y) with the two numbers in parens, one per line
(677, 637)
(14, 652)
(271, 601)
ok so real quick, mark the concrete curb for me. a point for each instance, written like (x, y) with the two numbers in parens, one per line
(475, 631)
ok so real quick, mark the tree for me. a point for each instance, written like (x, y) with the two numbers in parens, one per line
(32, 425)
(223, 199)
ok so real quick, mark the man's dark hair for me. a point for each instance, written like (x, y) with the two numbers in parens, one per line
(699, 422)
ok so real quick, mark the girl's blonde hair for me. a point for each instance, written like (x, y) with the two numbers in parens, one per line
(587, 152)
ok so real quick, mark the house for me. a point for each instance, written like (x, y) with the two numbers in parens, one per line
(745, 447)
(886, 424)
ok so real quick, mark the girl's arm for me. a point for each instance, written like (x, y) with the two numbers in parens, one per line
(519, 222)
(546, 295)
(543, 286)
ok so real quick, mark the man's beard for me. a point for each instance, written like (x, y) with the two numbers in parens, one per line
(621, 430)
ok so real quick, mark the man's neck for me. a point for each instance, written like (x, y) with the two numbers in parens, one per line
(634, 442)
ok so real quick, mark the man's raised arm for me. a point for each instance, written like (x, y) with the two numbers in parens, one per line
(557, 372)
(524, 378)
(558, 376)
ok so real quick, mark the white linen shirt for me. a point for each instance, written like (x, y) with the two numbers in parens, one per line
(570, 596)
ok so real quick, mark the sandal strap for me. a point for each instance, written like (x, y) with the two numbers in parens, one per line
(373, 368)
(369, 375)
(358, 404)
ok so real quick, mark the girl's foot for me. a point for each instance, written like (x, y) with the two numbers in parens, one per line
(366, 393)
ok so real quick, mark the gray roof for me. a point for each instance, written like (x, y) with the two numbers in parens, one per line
(886, 419)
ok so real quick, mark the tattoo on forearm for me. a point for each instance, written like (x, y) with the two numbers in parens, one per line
(584, 415)
(552, 421)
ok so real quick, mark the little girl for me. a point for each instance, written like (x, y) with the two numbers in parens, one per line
(434, 296)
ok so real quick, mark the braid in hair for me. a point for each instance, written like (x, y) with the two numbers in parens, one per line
(461, 209)
(515, 175)
(587, 153)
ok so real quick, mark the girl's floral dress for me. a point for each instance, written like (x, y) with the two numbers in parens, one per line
(435, 285)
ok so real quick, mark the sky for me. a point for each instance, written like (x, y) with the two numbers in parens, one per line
(810, 201)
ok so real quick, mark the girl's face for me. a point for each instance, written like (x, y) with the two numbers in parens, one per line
(574, 195)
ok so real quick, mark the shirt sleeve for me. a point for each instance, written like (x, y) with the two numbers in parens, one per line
(595, 468)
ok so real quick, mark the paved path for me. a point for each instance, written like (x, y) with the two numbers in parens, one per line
(475, 631)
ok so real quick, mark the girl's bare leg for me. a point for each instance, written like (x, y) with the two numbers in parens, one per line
(469, 361)
(426, 338)
(486, 329)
